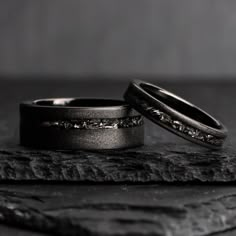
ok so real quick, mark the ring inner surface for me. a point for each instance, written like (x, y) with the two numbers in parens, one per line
(68, 102)
(180, 106)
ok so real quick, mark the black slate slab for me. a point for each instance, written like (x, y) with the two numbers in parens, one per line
(141, 165)
(119, 210)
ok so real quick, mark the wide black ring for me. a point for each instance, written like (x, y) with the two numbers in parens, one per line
(76, 123)
(176, 114)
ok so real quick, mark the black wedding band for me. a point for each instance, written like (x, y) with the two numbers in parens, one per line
(175, 114)
(73, 123)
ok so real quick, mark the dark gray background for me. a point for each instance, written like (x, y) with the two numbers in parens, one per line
(78, 38)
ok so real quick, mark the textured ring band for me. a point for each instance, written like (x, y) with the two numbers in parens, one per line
(175, 114)
(73, 123)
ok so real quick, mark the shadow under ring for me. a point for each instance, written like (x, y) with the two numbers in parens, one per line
(176, 114)
(80, 123)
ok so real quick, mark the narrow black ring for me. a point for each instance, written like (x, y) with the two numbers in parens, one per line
(176, 114)
(80, 123)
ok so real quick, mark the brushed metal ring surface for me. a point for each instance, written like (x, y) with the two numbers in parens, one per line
(80, 123)
(176, 114)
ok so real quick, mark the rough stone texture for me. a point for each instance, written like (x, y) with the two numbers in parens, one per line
(77, 207)
(118, 166)
(122, 211)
